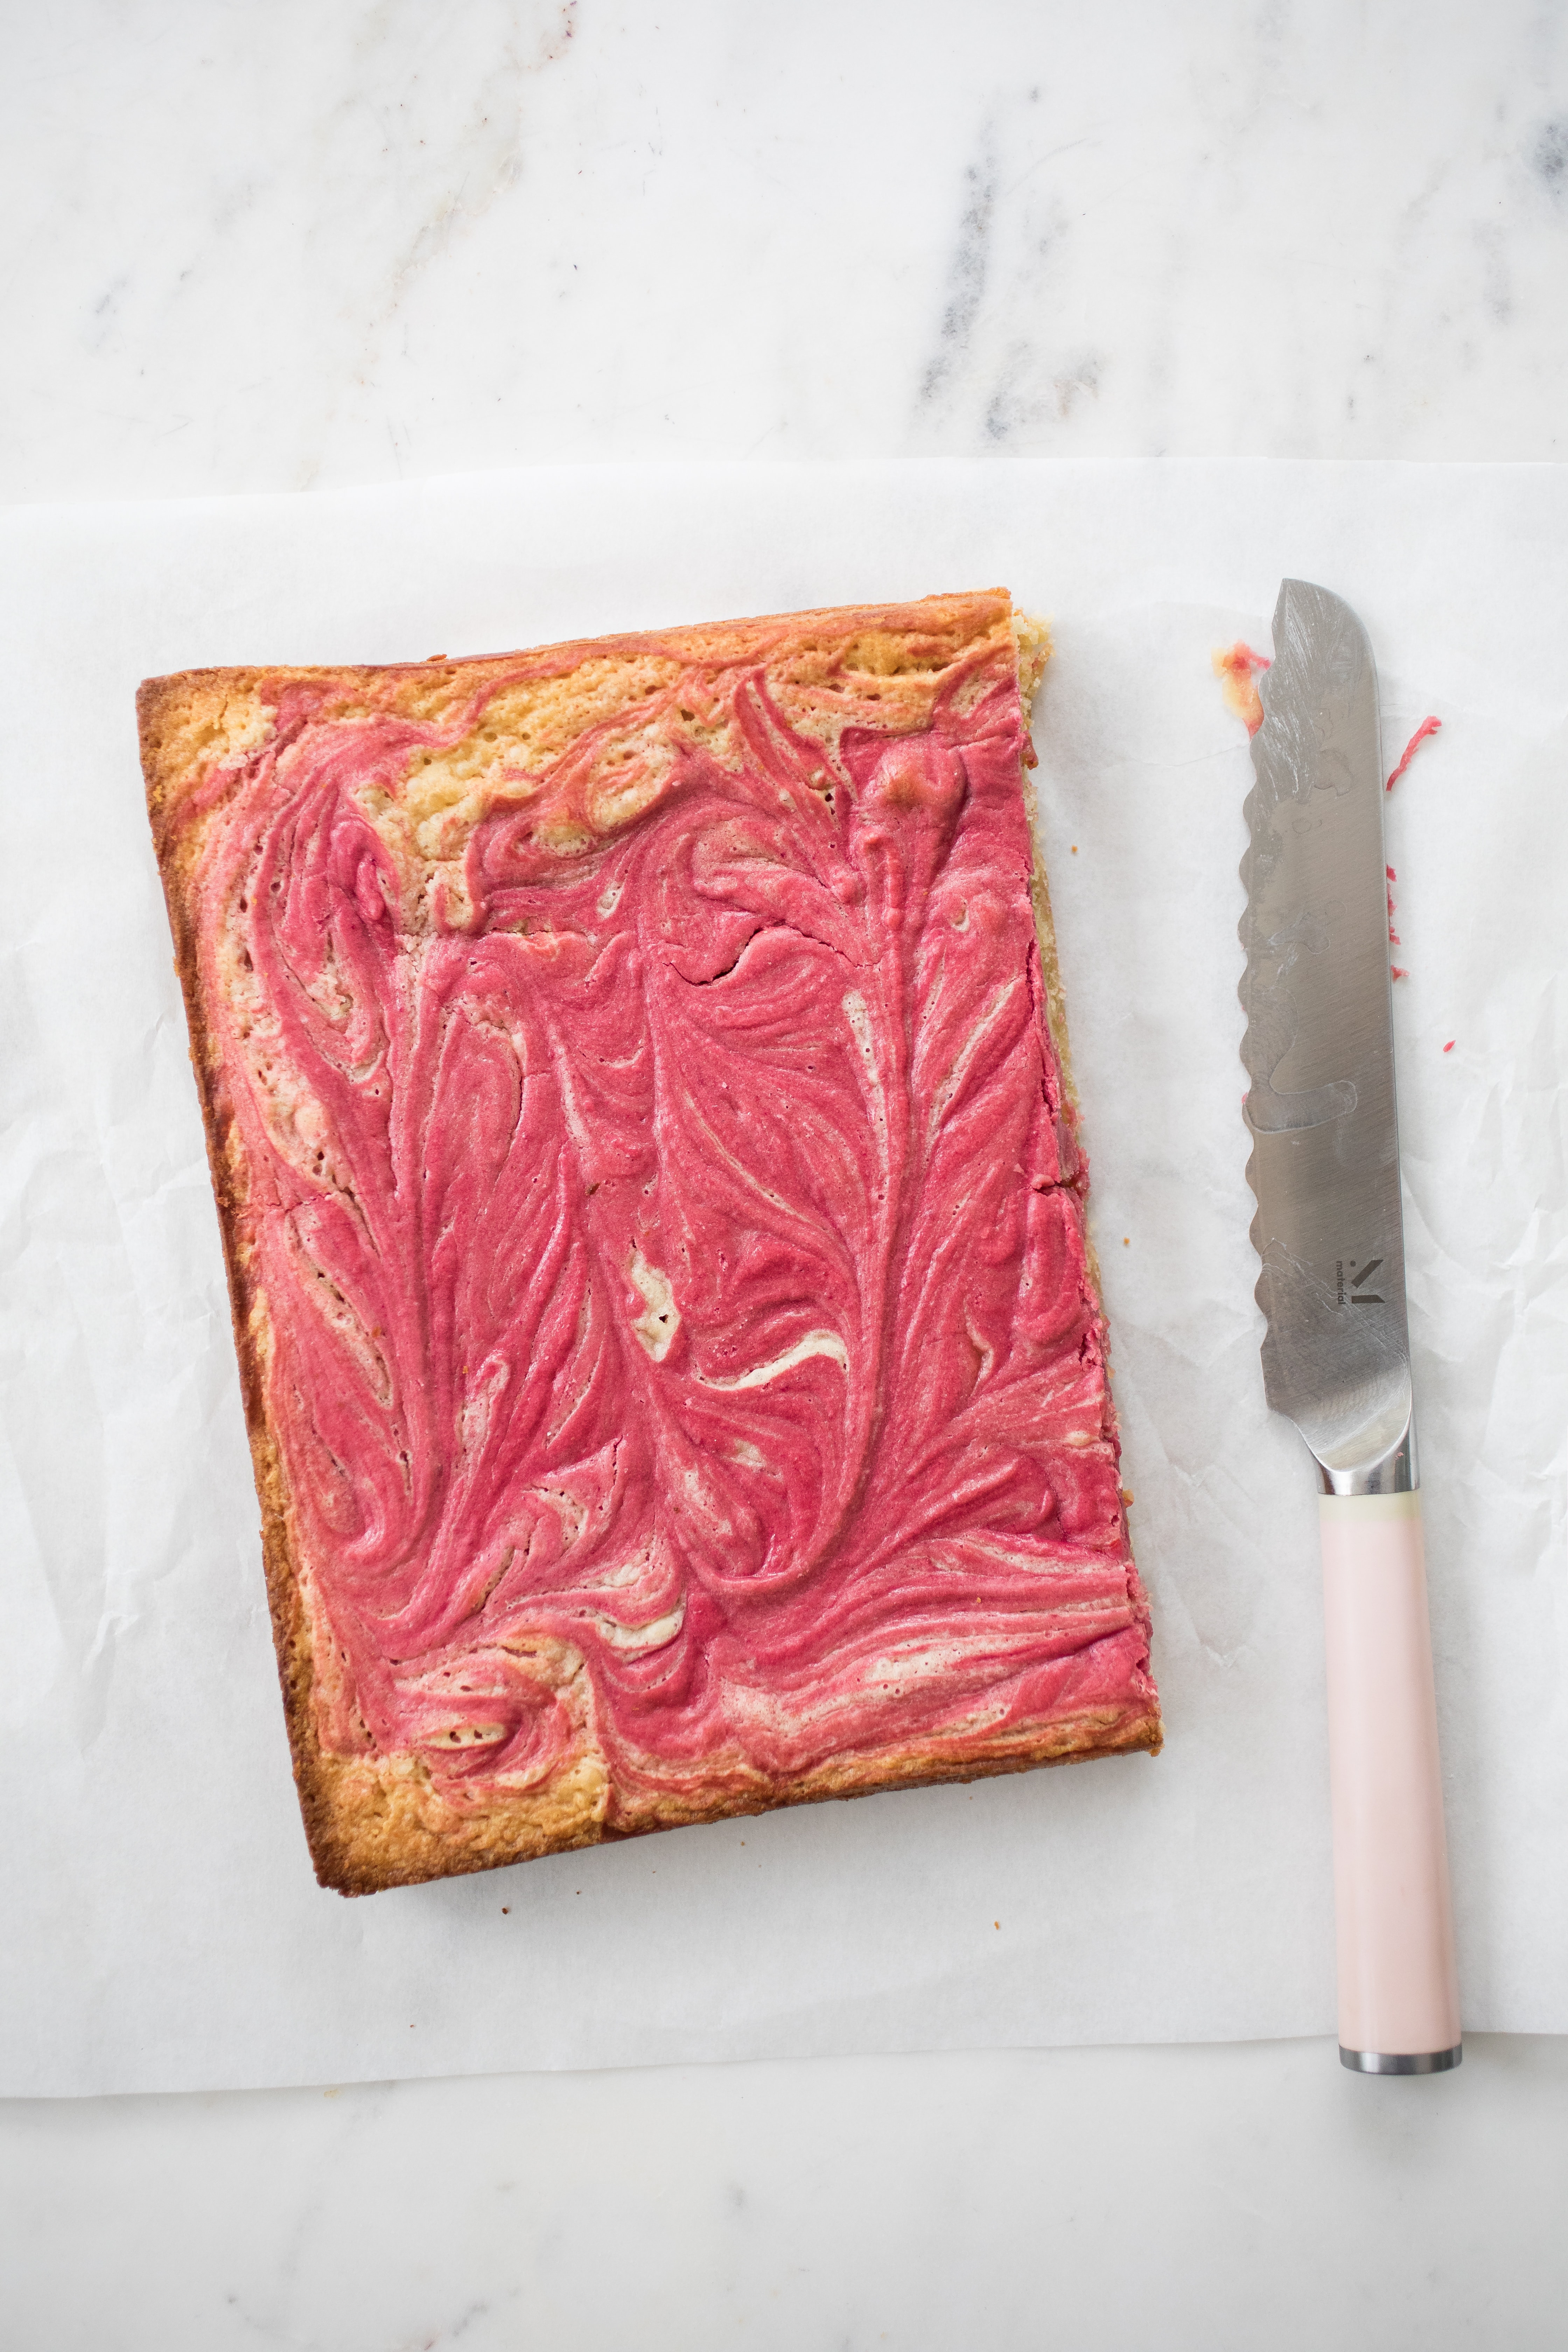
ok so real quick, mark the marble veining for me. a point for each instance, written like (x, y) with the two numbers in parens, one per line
(319, 247)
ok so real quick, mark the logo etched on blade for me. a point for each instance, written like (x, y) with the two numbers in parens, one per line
(1357, 1296)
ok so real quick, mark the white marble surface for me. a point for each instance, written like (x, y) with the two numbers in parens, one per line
(1244, 2199)
(315, 243)
(286, 247)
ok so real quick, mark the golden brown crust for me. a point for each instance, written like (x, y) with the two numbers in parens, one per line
(374, 1824)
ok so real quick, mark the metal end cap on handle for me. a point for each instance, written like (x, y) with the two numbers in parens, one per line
(1401, 2062)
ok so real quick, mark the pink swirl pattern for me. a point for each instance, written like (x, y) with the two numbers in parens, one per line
(679, 1340)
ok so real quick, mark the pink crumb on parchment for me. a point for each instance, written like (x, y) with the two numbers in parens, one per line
(1237, 667)
(1450, 1046)
(1427, 727)
(1397, 972)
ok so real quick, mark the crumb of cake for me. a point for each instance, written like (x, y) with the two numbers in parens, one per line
(1237, 667)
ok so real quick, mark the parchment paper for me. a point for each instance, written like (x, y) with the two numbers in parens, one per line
(164, 1928)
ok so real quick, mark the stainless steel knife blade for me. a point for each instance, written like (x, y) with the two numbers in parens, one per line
(1318, 1050)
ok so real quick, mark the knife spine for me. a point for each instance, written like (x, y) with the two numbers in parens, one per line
(1262, 843)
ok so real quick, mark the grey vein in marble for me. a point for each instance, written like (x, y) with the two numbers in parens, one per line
(272, 249)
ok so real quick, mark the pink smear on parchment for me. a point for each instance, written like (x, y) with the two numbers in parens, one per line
(1427, 727)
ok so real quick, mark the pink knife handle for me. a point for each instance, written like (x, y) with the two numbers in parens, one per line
(1398, 1991)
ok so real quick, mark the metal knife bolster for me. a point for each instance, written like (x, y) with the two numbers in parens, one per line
(1319, 1049)
(1397, 1472)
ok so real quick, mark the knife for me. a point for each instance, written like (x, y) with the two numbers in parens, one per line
(1318, 1050)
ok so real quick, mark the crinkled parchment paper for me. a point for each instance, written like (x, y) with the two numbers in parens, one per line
(164, 1931)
